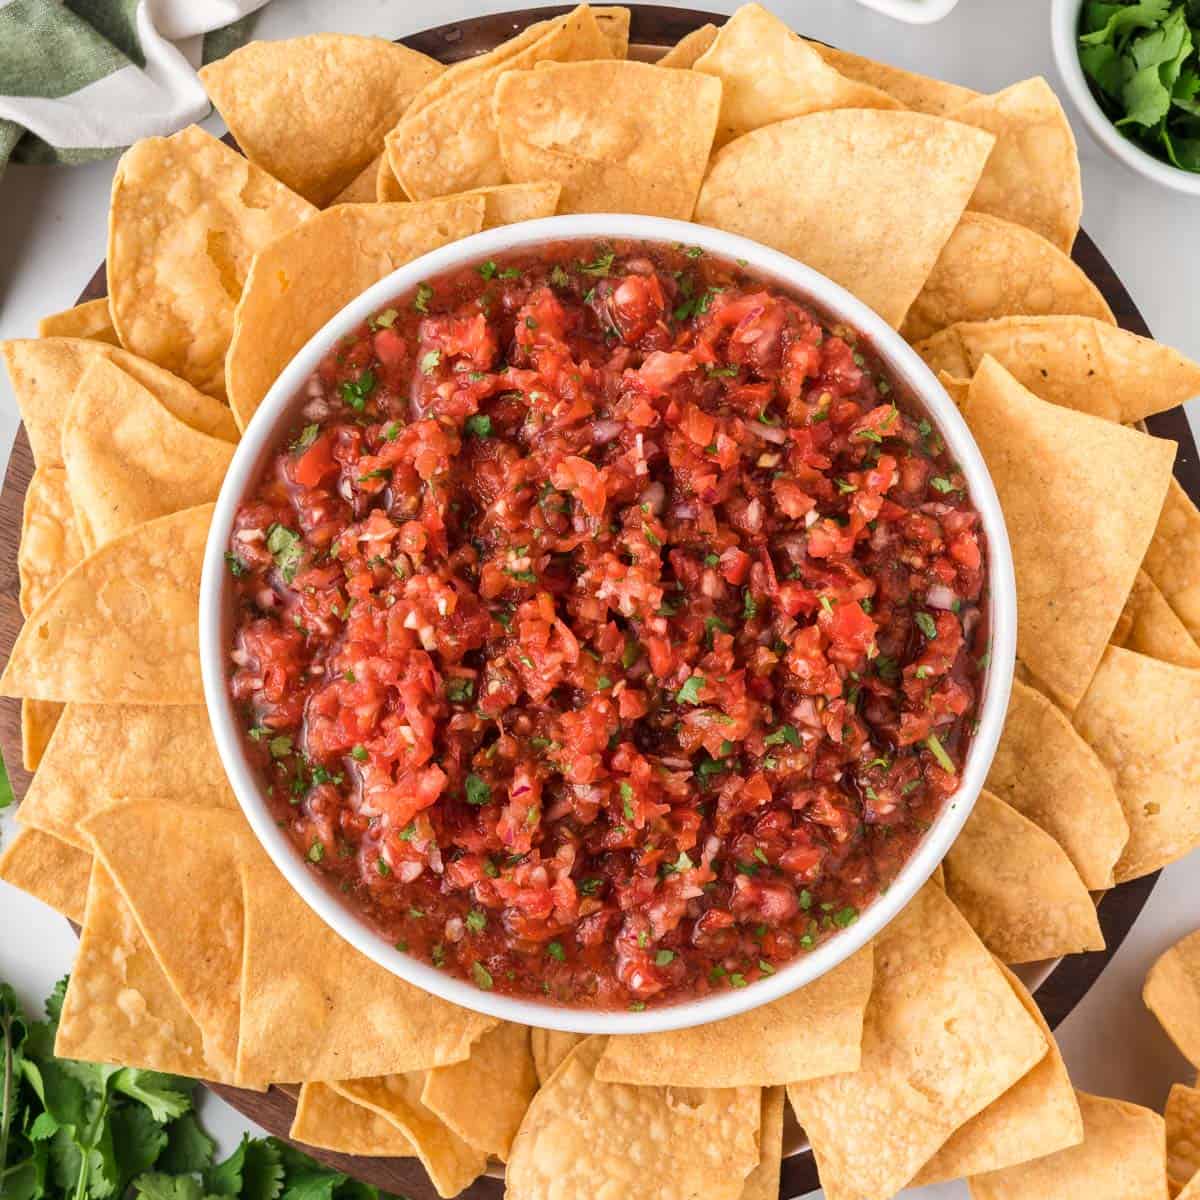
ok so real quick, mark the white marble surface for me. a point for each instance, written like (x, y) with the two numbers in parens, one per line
(52, 234)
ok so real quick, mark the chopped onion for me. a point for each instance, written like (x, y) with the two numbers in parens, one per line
(940, 596)
(604, 432)
(409, 870)
(653, 498)
(769, 433)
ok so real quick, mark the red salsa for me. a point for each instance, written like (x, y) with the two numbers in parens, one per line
(609, 628)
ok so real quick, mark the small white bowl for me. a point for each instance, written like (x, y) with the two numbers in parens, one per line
(915, 12)
(261, 438)
(1064, 33)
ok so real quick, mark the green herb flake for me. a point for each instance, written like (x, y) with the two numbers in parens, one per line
(690, 692)
(286, 549)
(477, 790)
(355, 393)
(479, 426)
(938, 751)
(429, 362)
(925, 624)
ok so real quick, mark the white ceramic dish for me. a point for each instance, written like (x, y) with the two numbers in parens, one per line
(1064, 33)
(262, 436)
(915, 12)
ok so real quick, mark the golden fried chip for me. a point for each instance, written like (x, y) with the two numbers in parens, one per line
(763, 1182)
(993, 268)
(1032, 177)
(484, 1098)
(122, 627)
(361, 189)
(313, 110)
(446, 142)
(50, 870)
(1038, 1115)
(90, 319)
(513, 202)
(387, 186)
(1048, 773)
(918, 92)
(614, 22)
(1183, 1135)
(188, 215)
(326, 1119)
(768, 73)
(1141, 716)
(658, 1143)
(832, 188)
(165, 751)
(298, 282)
(129, 460)
(1120, 1157)
(1077, 362)
(298, 975)
(684, 54)
(573, 123)
(1149, 626)
(1080, 498)
(1017, 887)
(50, 543)
(813, 1031)
(46, 371)
(39, 719)
(1172, 994)
(944, 1037)
(550, 1047)
(1192, 1191)
(1173, 559)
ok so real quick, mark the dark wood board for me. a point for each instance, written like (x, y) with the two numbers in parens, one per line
(652, 26)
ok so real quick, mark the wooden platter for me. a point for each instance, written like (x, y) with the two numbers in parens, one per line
(653, 29)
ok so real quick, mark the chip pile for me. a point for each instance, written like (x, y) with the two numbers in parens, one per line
(952, 214)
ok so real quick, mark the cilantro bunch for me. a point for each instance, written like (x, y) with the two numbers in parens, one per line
(1142, 61)
(85, 1131)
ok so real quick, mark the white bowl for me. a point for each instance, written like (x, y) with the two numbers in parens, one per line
(261, 438)
(915, 12)
(1064, 34)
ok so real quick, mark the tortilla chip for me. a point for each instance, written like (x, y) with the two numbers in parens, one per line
(1183, 1135)
(1077, 362)
(50, 543)
(329, 1121)
(658, 1143)
(49, 870)
(1080, 498)
(1149, 626)
(483, 1099)
(298, 282)
(831, 188)
(446, 142)
(90, 319)
(313, 110)
(763, 1182)
(573, 123)
(957, 389)
(944, 1037)
(1051, 776)
(814, 1031)
(1038, 1115)
(165, 751)
(361, 189)
(129, 460)
(1032, 177)
(39, 719)
(614, 22)
(1172, 994)
(1017, 887)
(768, 73)
(298, 975)
(549, 1048)
(122, 627)
(1173, 559)
(46, 371)
(188, 215)
(1141, 716)
(1120, 1157)
(387, 186)
(993, 268)
(918, 92)
(119, 1007)
(513, 202)
(1192, 1191)
(685, 53)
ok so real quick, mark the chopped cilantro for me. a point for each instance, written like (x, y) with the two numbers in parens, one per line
(355, 392)
(479, 426)
(556, 951)
(429, 362)
(385, 319)
(237, 568)
(423, 297)
(476, 920)
(477, 790)
(925, 624)
(690, 692)
(601, 265)
(938, 751)
(785, 733)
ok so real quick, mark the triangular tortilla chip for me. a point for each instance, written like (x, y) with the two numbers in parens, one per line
(298, 282)
(50, 541)
(763, 1182)
(1033, 176)
(614, 22)
(46, 371)
(918, 92)
(1172, 994)
(1182, 1116)
(1050, 775)
(832, 188)
(90, 319)
(312, 110)
(188, 215)
(768, 73)
(1080, 498)
(944, 1037)
(815, 1030)
(512, 202)
(1173, 559)
(329, 1121)
(123, 626)
(994, 268)
(129, 460)
(684, 54)
(1141, 716)
(361, 189)
(550, 1047)
(1077, 362)
(39, 718)
(387, 186)
(1149, 626)
(50, 870)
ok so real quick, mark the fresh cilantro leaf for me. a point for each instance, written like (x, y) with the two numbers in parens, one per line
(601, 265)
(156, 1091)
(479, 426)
(188, 1147)
(155, 1185)
(285, 548)
(477, 790)
(355, 392)
(7, 799)
(1124, 19)
(137, 1141)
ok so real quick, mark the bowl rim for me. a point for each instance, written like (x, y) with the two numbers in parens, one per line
(914, 12)
(1064, 25)
(260, 438)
